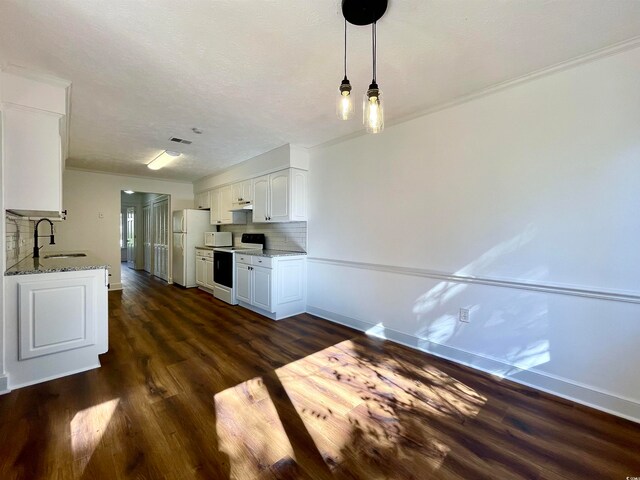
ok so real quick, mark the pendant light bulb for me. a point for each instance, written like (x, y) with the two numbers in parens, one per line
(345, 102)
(344, 106)
(373, 110)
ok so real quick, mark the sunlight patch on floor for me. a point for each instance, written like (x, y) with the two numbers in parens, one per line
(374, 413)
(249, 430)
(87, 428)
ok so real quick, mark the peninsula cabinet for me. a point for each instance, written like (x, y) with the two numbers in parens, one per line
(56, 324)
(280, 197)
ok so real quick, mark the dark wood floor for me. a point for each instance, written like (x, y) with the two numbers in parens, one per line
(195, 388)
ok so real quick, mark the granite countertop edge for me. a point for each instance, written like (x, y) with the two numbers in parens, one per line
(28, 266)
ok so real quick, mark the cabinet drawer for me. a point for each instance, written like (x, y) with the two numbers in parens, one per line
(261, 261)
(204, 253)
(246, 259)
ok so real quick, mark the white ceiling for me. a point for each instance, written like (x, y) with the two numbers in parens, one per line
(256, 74)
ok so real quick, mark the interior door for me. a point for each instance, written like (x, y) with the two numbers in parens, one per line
(131, 237)
(161, 239)
(146, 237)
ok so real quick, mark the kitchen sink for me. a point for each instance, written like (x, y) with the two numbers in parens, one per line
(65, 255)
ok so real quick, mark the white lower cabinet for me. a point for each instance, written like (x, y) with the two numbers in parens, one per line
(56, 324)
(204, 268)
(201, 263)
(208, 274)
(272, 286)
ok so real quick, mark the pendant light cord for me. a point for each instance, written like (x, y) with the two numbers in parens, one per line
(373, 43)
(345, 48)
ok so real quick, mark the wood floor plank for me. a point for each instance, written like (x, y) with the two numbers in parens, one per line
(193, 388)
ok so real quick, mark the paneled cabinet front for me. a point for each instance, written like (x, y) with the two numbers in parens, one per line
(221, 204)
(33, 120)
(204, 268)
(202, 201)
(280, 197)
(32, 161)
(241, 192)
(56, 324)
(275, 287)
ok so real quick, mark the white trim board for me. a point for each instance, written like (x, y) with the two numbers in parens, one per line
(612, 295)
(582, 394)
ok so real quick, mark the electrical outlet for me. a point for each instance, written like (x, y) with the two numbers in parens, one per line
(463, 315)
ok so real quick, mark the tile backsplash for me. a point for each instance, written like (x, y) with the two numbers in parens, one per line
(19, 239)
(290, 236)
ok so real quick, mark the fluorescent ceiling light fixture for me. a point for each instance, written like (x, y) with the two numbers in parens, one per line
(162, 160)
(129, 192)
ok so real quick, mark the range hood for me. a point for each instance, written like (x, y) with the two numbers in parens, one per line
(241, 206)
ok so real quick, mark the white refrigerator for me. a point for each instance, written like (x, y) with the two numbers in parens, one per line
(188, 233)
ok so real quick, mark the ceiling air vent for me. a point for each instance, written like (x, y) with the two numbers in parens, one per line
(181, 140)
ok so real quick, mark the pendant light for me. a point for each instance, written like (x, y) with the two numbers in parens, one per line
(372, 109)
(365, 12)
(344, 107)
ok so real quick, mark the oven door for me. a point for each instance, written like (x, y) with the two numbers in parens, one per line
(223, 268)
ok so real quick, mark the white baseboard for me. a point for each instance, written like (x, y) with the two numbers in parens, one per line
(115, 286)
(58, 375)
(606, 402)
(4, 384)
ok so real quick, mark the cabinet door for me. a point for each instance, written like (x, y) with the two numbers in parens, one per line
(200, 270)
(262, 288)
(241, 192)
(208, 273)
(279, 196)
(214, 198)
(243, 282)
(225, 205)
(202, 201)
(33, 158)
(260, 199)
(247, 190)
(58, 315)
(298, 206)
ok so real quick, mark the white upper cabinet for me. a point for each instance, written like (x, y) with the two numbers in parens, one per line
(221, 204)
(241, 192)
(33, 161)
(202, 201)
(260, 198)
(280, 197)
(34, 140)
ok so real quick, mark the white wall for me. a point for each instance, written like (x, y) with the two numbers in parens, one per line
(536, 184)
(86, 195)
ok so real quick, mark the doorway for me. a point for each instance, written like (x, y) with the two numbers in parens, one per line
(145, 220)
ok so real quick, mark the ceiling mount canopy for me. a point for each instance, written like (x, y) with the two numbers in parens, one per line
(363, 12)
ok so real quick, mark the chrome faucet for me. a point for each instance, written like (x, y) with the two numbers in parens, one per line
(36, 249)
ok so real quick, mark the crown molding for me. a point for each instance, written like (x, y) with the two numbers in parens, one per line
(592, 56)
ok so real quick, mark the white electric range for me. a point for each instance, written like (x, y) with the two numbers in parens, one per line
(224, 266)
